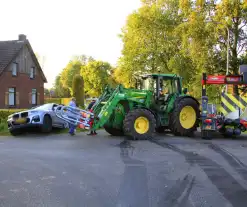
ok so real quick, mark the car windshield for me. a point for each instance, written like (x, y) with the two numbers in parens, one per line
(44, 107)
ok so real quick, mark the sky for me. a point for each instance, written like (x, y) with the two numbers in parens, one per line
(60, 29)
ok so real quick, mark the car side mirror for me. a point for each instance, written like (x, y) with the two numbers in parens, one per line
(185, 90)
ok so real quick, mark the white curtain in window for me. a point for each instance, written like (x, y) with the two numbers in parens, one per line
(32, 73)
(11, 96)
(34, 96)
(14, 69)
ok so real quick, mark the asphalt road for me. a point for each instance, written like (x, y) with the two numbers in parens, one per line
(59, 170)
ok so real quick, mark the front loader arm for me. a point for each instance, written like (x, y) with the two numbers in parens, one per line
(106, 111)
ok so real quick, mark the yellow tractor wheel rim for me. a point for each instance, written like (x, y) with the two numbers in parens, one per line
(141, 125)
(187, 117)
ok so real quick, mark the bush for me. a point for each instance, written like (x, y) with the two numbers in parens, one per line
(5, 113)
(53, 100)
(78, 90)
(3, 128)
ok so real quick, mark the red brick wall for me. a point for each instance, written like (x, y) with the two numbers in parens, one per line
(23, 85)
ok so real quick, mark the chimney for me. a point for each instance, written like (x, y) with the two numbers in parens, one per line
(22, 37)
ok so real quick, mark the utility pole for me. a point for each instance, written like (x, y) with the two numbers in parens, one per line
(228, 50)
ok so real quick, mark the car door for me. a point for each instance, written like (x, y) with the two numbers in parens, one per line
(53, 115)
(57, 121)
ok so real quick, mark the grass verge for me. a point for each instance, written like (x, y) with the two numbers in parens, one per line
(4, 129)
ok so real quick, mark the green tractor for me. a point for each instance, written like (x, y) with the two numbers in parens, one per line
(158, 103)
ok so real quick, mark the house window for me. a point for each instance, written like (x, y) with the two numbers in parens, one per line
(11, 96)
(34, 96)
(14, 69)
(32, 73)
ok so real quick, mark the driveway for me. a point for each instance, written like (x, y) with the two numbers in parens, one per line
(59, 170)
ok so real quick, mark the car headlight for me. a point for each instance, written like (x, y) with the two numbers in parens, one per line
(36, 118)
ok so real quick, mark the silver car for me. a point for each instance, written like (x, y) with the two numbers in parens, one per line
(42, 117)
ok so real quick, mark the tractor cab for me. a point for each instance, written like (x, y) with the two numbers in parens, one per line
(164, 86)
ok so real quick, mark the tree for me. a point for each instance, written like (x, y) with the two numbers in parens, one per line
(148, 37)
(176, 36)
(47, 92)
(78, 90)
(59, 90)
(72, 69)
(152, 43)
(233, 15)
(207, 28)
(96, 76)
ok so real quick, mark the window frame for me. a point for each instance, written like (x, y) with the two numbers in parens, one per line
(12, 66)
(9, 92)
(36, 98)
(32, 73)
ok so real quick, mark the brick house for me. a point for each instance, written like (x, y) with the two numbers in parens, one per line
(21, 77)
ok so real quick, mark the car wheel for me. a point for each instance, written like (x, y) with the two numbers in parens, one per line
(47, 124)
(15, 132)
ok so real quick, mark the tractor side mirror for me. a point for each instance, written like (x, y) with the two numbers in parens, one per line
(185, 90)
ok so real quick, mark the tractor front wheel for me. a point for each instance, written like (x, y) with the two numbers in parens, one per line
(113, 131)
(185, 116)
(139, 124)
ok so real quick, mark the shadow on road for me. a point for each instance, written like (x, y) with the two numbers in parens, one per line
(224, 181)
(134, 187)
(31, 133)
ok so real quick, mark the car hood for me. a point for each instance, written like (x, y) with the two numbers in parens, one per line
(31, 111)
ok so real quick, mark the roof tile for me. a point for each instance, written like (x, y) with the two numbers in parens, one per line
(8, 50)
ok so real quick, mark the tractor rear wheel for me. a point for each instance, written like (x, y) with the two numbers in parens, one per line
(113, 131)
(184, 119)
(139, 124)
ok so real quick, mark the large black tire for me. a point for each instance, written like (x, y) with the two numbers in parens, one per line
(47, 124)
(177, 125)
(130, 121)
(113, 131)
(15, 132)
(206, 135)
(161, 129)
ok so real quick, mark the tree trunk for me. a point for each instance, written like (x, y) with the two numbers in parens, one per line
(235, 64)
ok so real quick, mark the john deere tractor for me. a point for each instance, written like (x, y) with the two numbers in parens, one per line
(157, 103)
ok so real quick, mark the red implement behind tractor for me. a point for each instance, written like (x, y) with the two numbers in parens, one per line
(231, 124)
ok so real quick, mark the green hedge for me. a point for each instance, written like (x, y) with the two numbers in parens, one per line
(4, 113)
(53, 100)
(64, 101)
